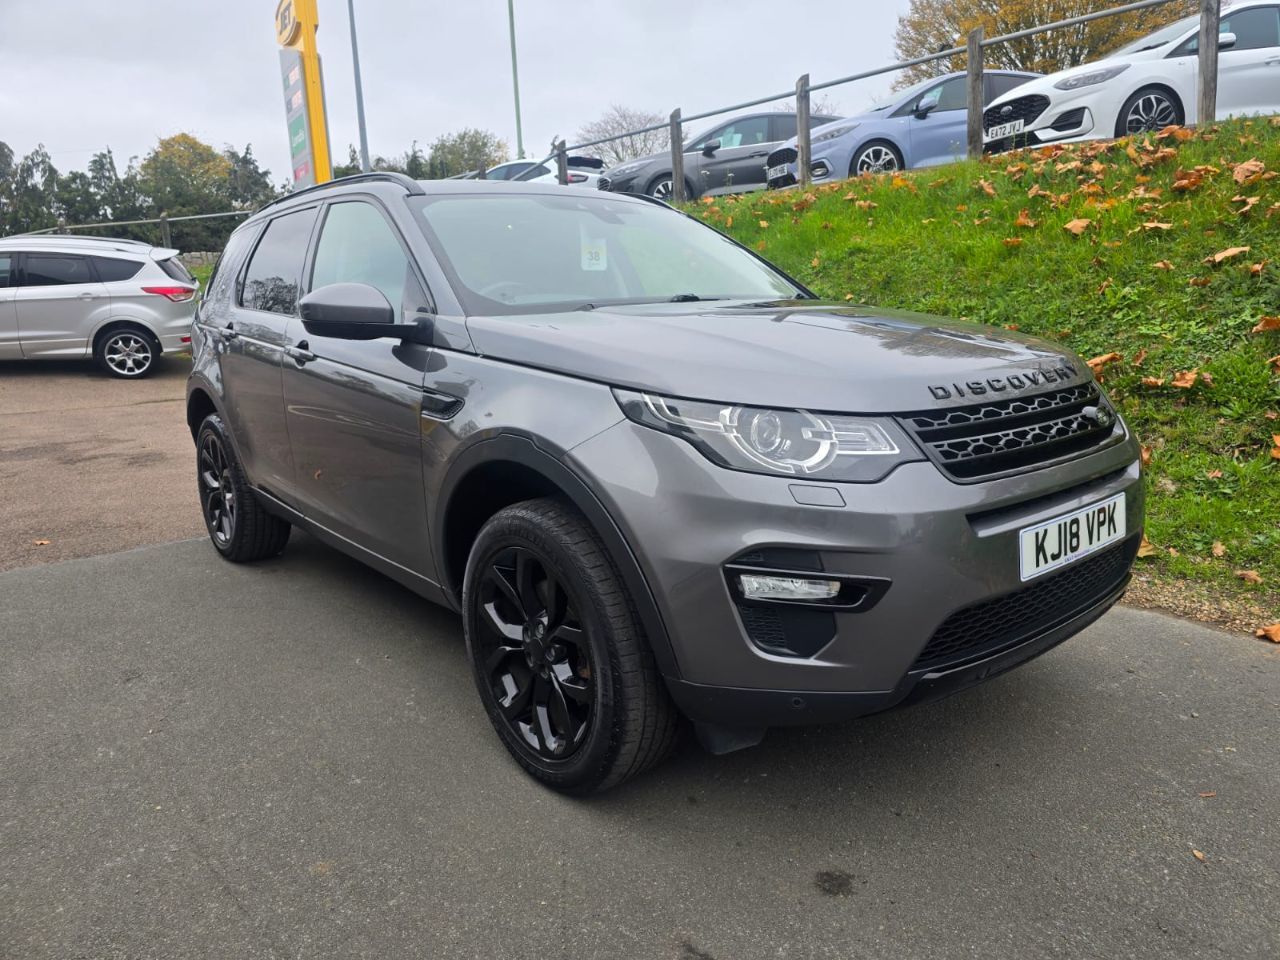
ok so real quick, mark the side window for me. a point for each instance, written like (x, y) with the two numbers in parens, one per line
(113, 269)
(953, 95)
(1255, 29)
(998, 84)
(275, 269)
(225, 270)
(784, 128)
(6, 271)
(357, 245)
(54, 270)
(744, 133)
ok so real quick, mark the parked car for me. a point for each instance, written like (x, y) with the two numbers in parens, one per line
(121, 302)
(1148, 85)
(729, 158)
(654, 474)
(921, 126)
(583, 172)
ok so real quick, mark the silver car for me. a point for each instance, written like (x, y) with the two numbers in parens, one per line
(121, 302)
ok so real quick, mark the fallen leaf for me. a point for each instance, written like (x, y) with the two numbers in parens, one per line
(1173, 552)
(1275, 362)
(1206, 379)
(1224, 255)
(1012, 241)
(761, 245)
(865, 204)
(1249, 204)
(1078, 226)
(814, 262)
(728, 222)
(1198, 855)
(1185, 379)
(1219, 549)
(1153, 381)
(1186, 180)
(1265, 324)
(1097, 363)
(1144, 452)
(1249, 576)
(1208, 794)
(1163, 265)
(1145, 549)
(764, 224)
(1105, 285)
(1214, 474)
(1024, 219)
(1200, 281)
(1248, 171)
(1140, 357)
(986, 187)
(40, 543)
(1275, 448)
(1271, 633)
(1157, 225)
(1256, 268)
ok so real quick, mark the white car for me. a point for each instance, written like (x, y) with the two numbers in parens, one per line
(583, 172)
(1146, 85)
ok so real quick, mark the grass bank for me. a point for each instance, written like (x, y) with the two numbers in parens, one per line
(1157, 258)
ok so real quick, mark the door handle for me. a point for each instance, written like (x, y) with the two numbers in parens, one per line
(301, 354)
(228, 332)
(86, 295)
(762, 153)
(1273, 61)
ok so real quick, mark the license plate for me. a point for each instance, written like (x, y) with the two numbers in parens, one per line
(1000, 131)
(1063, 540)
(778, 172)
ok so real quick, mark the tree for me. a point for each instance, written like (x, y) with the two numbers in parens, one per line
(183, 176)
(934, 25)
(619, 120)
(28, 191)
(465, 150)
(823, 105)
(249, 186)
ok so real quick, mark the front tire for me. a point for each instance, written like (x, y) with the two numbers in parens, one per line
(127, 352)
(1149, 110)
(878, 156)
(240, 529)
(558, 654)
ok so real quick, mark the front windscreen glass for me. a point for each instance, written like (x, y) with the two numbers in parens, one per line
(522, 253)
(1160, 37)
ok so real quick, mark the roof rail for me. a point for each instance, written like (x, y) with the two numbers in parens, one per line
(387, 176)
(77, 237)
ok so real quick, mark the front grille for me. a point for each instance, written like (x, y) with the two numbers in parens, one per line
(1027, 109)
(604, 183)
(986, 440)
(1069, 120)
(989, 625)
(782, 155)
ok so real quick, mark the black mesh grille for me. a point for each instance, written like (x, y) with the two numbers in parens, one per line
(1026, 108)
(604, 183)
(1069, 120)
(782, 155)
(984, 440)
(985, 627)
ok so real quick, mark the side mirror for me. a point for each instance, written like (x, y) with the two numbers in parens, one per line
(354, 311)
(923, 110)
(1226, 41)
(710, 147)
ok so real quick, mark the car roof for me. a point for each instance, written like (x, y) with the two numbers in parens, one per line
(73, 244)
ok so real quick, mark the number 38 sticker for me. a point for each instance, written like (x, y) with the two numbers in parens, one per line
(595, 255)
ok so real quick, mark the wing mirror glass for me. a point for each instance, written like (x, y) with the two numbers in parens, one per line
(356, 311)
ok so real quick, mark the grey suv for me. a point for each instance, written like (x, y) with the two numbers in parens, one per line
(121, 302)
(653, 473)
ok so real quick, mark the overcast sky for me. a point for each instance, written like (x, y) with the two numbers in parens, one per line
(79, 75)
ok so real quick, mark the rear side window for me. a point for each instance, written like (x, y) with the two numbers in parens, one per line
(358, 246)
(1256, 29)
(6, 271)
(275, 269)
(998, 84)
(220, 280)
(53, 270)
(113, 269)
(176, 271)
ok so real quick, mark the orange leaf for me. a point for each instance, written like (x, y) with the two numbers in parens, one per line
(814, 262)
(1153, 381)
(760, 246)
(1145, 549)
(1078, 226)
(1208, 794)
(1249, 204)
(1156, 225)
(1265, 324)
(1097, 363)
(1140, 358)
(40, 543)
(1275, 362)
(1248, 171)
(1145, 453)
(1200, 281)
(1012, 241)
(1198, 855)
(1186, 379)
(1249, 576)
(728, 222)
(1024, 219)
(1163, 265)
(1256, 268)
(764, 224)
(865, 204)
(1214, 474)
(1224, 255)
(1219, 549)
(986, 187)
(1271, 633)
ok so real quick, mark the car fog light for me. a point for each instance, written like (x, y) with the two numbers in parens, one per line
(758, 587)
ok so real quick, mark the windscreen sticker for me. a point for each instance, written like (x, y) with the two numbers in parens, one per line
(595, 254)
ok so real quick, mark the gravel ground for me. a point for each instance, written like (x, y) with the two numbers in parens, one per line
(90, 463)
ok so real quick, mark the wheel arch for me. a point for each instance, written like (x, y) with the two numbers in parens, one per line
(1150, 85)
(495, 473)
(877, 137)
(120, 323)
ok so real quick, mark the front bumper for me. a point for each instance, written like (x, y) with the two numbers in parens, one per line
(1068, 117)
(944, 548)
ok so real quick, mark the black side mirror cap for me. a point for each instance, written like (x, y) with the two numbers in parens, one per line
(922, 111)
(357, 311)
(710, 147)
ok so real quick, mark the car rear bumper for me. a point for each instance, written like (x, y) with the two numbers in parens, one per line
(952, 609)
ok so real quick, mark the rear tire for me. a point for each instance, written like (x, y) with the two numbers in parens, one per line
(240, 529)
(558, 653)
(129, 353)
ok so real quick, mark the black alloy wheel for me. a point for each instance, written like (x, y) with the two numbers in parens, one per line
(536, 657)
(241, 530)
(217, 492)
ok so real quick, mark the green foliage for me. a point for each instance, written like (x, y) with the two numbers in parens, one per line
(954, 241)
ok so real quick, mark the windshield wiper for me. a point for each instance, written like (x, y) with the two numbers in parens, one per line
(691, 298)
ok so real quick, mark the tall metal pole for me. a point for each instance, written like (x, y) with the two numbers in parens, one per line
(515, 78)
(355, 63)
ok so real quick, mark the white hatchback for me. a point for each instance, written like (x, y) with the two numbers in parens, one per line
(121, 302)
(1148, 85)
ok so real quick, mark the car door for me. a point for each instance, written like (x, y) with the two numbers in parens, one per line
(10, 348)
(252, 332)
(738, 162)
(1249, 71)
(354, 406)
(60, 302)
(940, 135)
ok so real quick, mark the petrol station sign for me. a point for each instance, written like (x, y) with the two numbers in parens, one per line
(296, 25)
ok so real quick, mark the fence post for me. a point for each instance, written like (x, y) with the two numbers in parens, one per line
(562, 164)
(1207, 101)
(677, 158)
(803, 143)
(166, 238)
(975, 92)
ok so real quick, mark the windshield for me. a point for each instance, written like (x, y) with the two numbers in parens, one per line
(1158, 39)
(895, 97)
(522, 253)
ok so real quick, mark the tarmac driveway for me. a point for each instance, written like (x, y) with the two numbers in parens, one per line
(289, 760)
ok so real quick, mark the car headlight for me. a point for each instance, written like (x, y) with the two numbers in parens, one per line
(1091, 78)
(796, 443)
(834, 132)
(624, 170)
